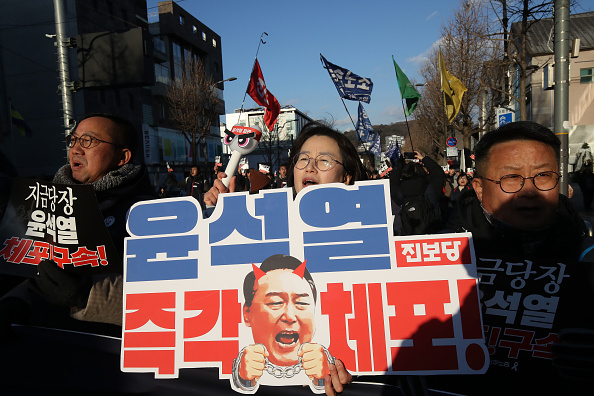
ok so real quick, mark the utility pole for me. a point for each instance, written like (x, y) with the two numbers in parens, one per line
(561, 95)
(65, 86)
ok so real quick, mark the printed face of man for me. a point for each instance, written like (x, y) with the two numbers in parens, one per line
(314, 146)
(281, 315)
(528, 208)
(91, 164)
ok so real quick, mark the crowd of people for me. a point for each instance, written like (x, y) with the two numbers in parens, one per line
(511, 205)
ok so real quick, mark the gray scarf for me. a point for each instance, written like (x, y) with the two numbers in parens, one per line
(115, 178)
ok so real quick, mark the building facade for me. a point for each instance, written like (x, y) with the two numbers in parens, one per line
(29, 81)
(29, 77)
(540, 84)
(178, 39)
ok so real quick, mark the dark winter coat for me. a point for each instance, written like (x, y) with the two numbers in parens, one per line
(565, 241)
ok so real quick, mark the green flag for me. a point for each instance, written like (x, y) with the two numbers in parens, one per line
(407, 90)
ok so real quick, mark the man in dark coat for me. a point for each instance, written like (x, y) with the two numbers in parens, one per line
(101, 152)
(195, 186)
(534, 262)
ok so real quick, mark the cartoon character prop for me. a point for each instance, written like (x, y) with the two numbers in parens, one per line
(242, 140)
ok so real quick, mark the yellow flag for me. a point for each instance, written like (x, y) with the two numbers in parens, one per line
(452, 89)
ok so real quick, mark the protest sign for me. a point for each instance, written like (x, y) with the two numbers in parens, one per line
(213, 292)
(47, 221)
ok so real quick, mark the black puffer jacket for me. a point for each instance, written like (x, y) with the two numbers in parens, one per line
(525, 256)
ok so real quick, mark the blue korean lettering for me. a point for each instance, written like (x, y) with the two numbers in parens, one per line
(347, 250)
(273, 207)
(235, 217)
(160, 217)
(332, 207)
(142, 263)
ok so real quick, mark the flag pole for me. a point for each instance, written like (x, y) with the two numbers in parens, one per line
(407, 128)
(246, 89)
(445, 115)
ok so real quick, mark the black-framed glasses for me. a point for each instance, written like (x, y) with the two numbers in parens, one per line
(86, 141)
(543, 181)
(322, 162)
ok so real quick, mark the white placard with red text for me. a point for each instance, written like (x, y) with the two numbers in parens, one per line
(385, 304)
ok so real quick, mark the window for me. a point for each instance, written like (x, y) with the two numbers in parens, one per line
(587, 75)
(182, 20)
(203, 36)
(161, 73)
(214, 43)
(194, 29)
(177, 61)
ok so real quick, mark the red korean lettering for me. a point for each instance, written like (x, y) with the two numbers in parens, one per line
(208, 303)
(150, 306)
(515, 346)
(542, 346)
(419, 316)
(378, 331)
(38, 252)
(336, 303)
(359, 328)
(161, 359)
(60, 256)
(84, 256)
(443, 251)
(9, 246)
(493, 339)
(231, 313)
(140, 309)
(212, 351)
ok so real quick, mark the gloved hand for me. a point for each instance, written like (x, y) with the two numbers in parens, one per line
(574, 354)
(61, 287)
(12, 310)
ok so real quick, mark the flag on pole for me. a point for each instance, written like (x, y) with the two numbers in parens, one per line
(407, 90)
(349, 85)
(364, 128)
(257, 91)
(376, 149)
(393, 152)
(452, 89)
(18, 121)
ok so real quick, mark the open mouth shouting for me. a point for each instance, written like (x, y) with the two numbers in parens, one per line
(287, 338)
(76, 164)
(308, 182)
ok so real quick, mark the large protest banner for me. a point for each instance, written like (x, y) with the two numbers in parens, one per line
(382, 304)
(47, 221)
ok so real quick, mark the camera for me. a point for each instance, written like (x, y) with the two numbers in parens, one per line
(409, 155)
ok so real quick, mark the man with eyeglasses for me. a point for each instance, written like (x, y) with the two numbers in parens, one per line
(100, 154)
(533, 258)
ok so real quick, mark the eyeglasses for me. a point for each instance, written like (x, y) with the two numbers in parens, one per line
(543, 181)
(85, 141)
(323, 162)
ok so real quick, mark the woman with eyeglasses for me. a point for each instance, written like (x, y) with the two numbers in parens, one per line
(319, 155)
(322, 155)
